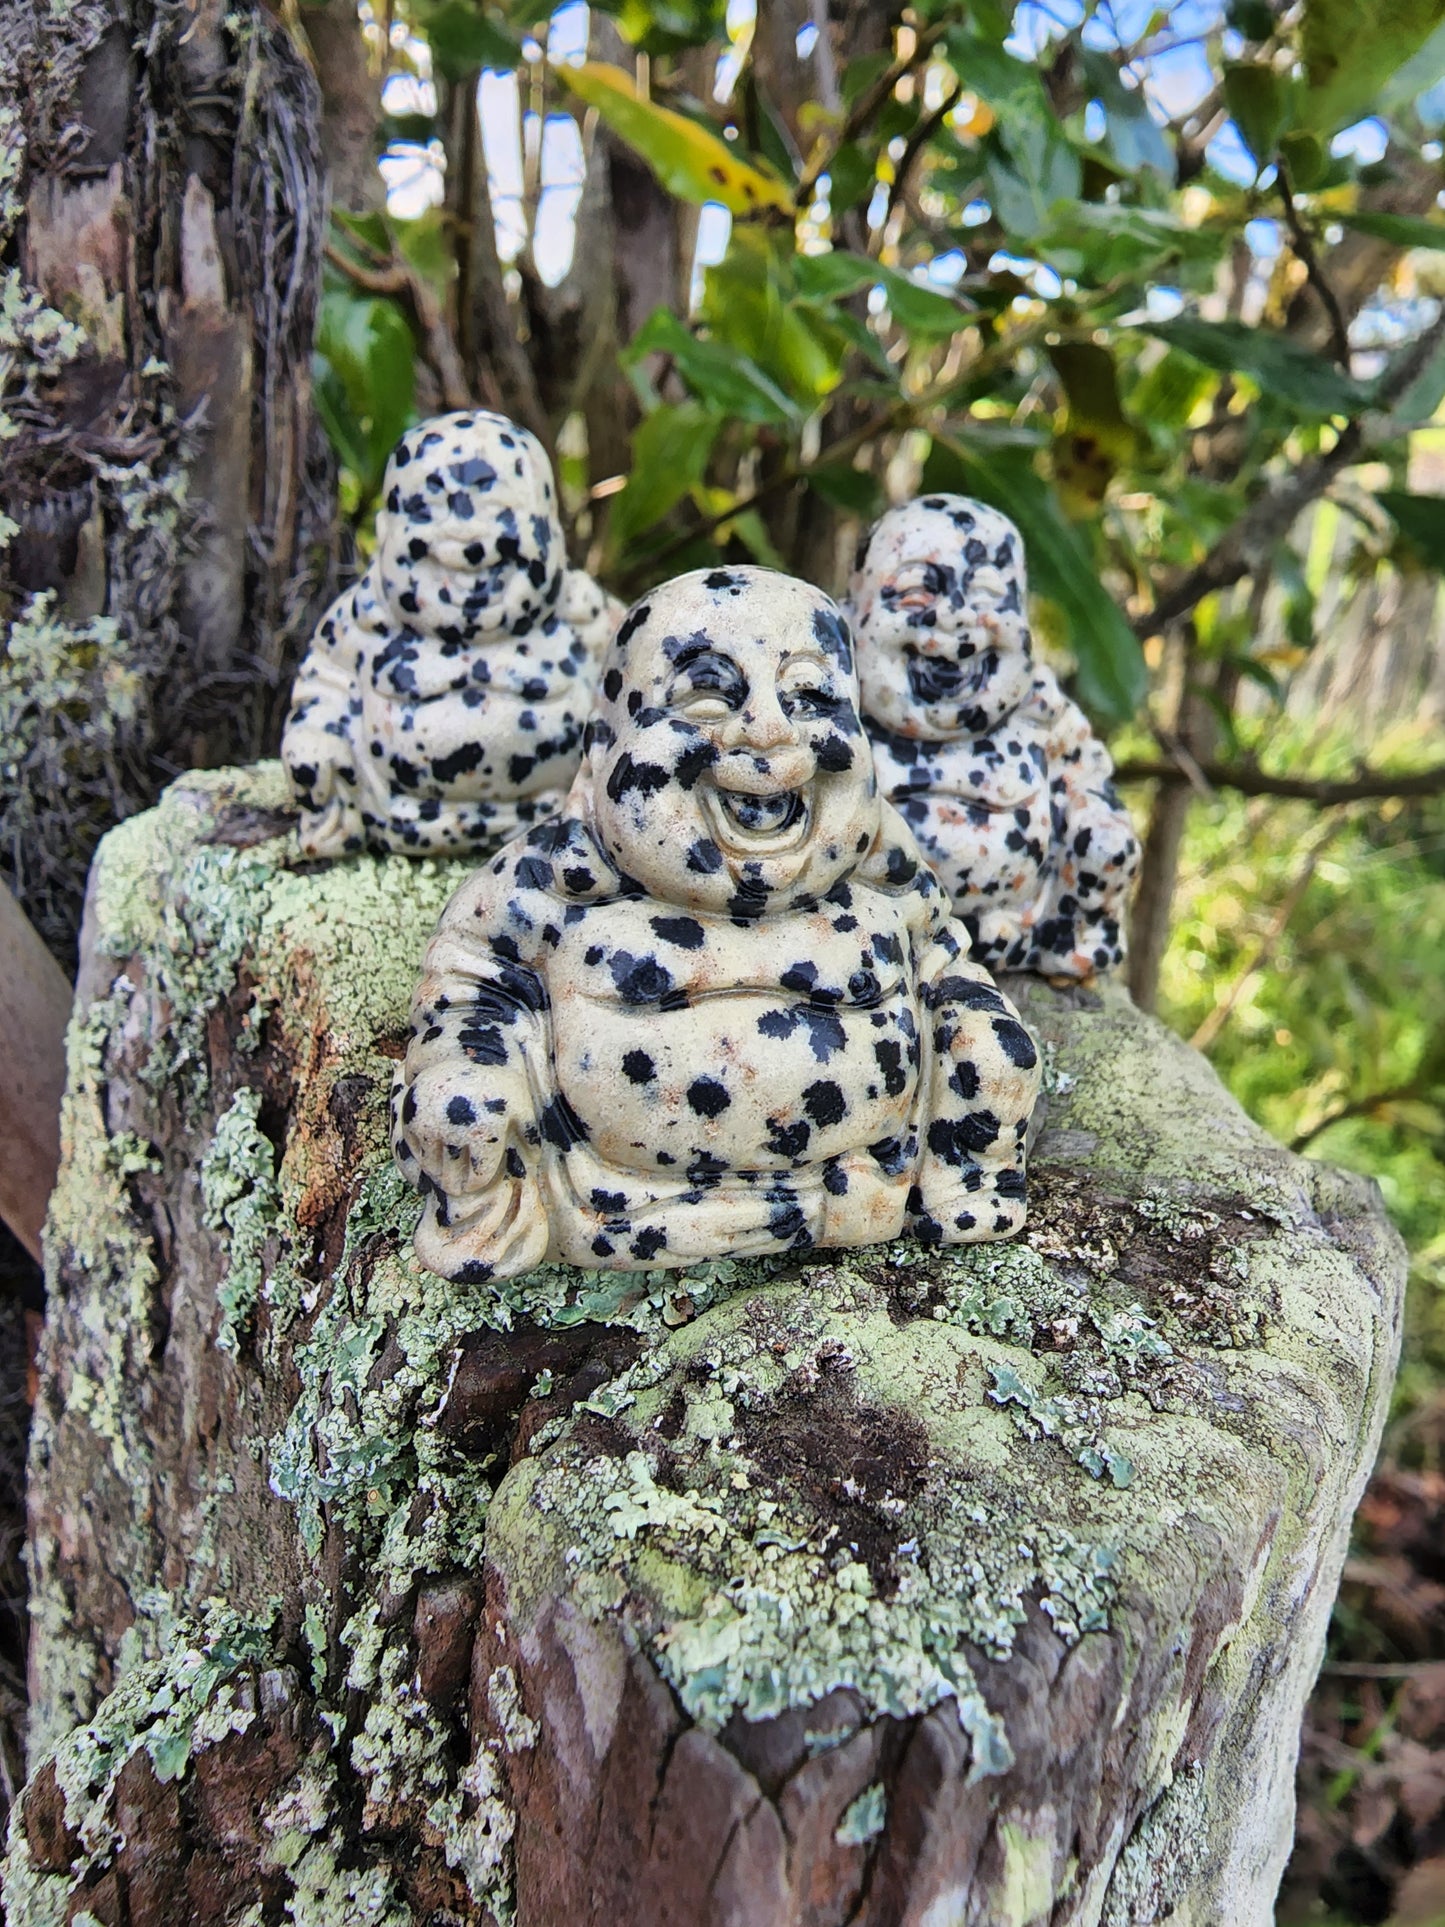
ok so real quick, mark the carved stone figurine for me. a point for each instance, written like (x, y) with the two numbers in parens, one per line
(717, 1005)
(1003, 782)
(442, 702)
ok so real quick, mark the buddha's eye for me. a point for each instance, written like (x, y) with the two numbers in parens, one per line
(703, 705)
(809, 701)
(986, 586)
(708, 686)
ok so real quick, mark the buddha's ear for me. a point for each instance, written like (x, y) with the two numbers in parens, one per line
(892, 861)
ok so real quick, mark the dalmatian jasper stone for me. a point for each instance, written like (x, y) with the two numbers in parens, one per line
(996, 771)
(718, 1004)
(442, 702)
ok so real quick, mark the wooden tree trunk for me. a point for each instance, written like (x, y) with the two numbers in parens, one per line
(162, 194)
(878, 1587)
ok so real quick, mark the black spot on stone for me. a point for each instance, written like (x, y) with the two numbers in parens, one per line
(639, 980)
(1015, 1043)
(825, 1103)
(631, 623)
(685, 932)
(708, 1097)
(704, 857)
(648, 1243)
(561, 1125)
(638, 1067)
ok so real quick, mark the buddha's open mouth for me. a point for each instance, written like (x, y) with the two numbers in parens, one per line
(935, 679)
(760, 825)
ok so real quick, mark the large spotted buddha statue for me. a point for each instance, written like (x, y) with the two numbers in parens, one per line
(717, 1004)
(998, 774)
(442, 701)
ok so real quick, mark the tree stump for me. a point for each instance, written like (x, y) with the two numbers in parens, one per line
(975, 1587)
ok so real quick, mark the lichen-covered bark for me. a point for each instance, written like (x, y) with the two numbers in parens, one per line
(980, 1587)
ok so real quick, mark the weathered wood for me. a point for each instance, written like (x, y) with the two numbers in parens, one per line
(980, 1588)
(34, 1007)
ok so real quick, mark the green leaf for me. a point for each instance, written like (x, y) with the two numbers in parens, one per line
(851, 174)
(715, 373)
(1252, 18)
(834, 276)
(670, 450)
(1135, 139)
(1111, 678)
(1105, 241)
(1401, 230)
(689, 159)
(1304, 382)
(1259, 102)
(1357, 65)
(844, 487)
(1420, 519)
(463, 39)
(366, 345)
(1309, 161)
(667, 28)
(921, 310)
(750, 303)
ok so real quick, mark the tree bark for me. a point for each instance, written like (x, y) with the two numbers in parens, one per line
(167, 475)
(877, 1586)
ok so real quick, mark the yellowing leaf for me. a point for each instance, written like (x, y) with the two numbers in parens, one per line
(690, 160)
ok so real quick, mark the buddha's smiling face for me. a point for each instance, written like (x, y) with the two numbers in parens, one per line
(468, 539)
(940, 603)
(728, 765)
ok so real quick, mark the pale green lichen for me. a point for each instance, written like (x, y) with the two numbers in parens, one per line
(864, 1819)
(748, 1600)
(1077, 1423)
(190, 1695)
(238, 1190)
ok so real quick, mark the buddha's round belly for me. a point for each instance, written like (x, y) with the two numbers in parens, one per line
(997, 852)
(498, 748)
(741, 1081)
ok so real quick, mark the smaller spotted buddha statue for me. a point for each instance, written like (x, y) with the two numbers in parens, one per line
(717, 1005)
(998, 774)
(442, 701)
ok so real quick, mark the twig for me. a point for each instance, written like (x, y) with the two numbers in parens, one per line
(1371, 785)
(1368, 1669)
(922, 134)
(1304, 248)
(866, 106)
(1357, 1107)
(1264, 949)
(1269, 518)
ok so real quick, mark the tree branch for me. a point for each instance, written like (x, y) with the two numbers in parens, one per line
(1304, 248)
(1268, 519)
(866, 106)
(924, 132)
(1368, 786)
(1357, 1107)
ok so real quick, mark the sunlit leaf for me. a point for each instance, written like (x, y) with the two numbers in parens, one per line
(689, 159)
(1359, 64)
(1111, 677)
(1282, 369)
